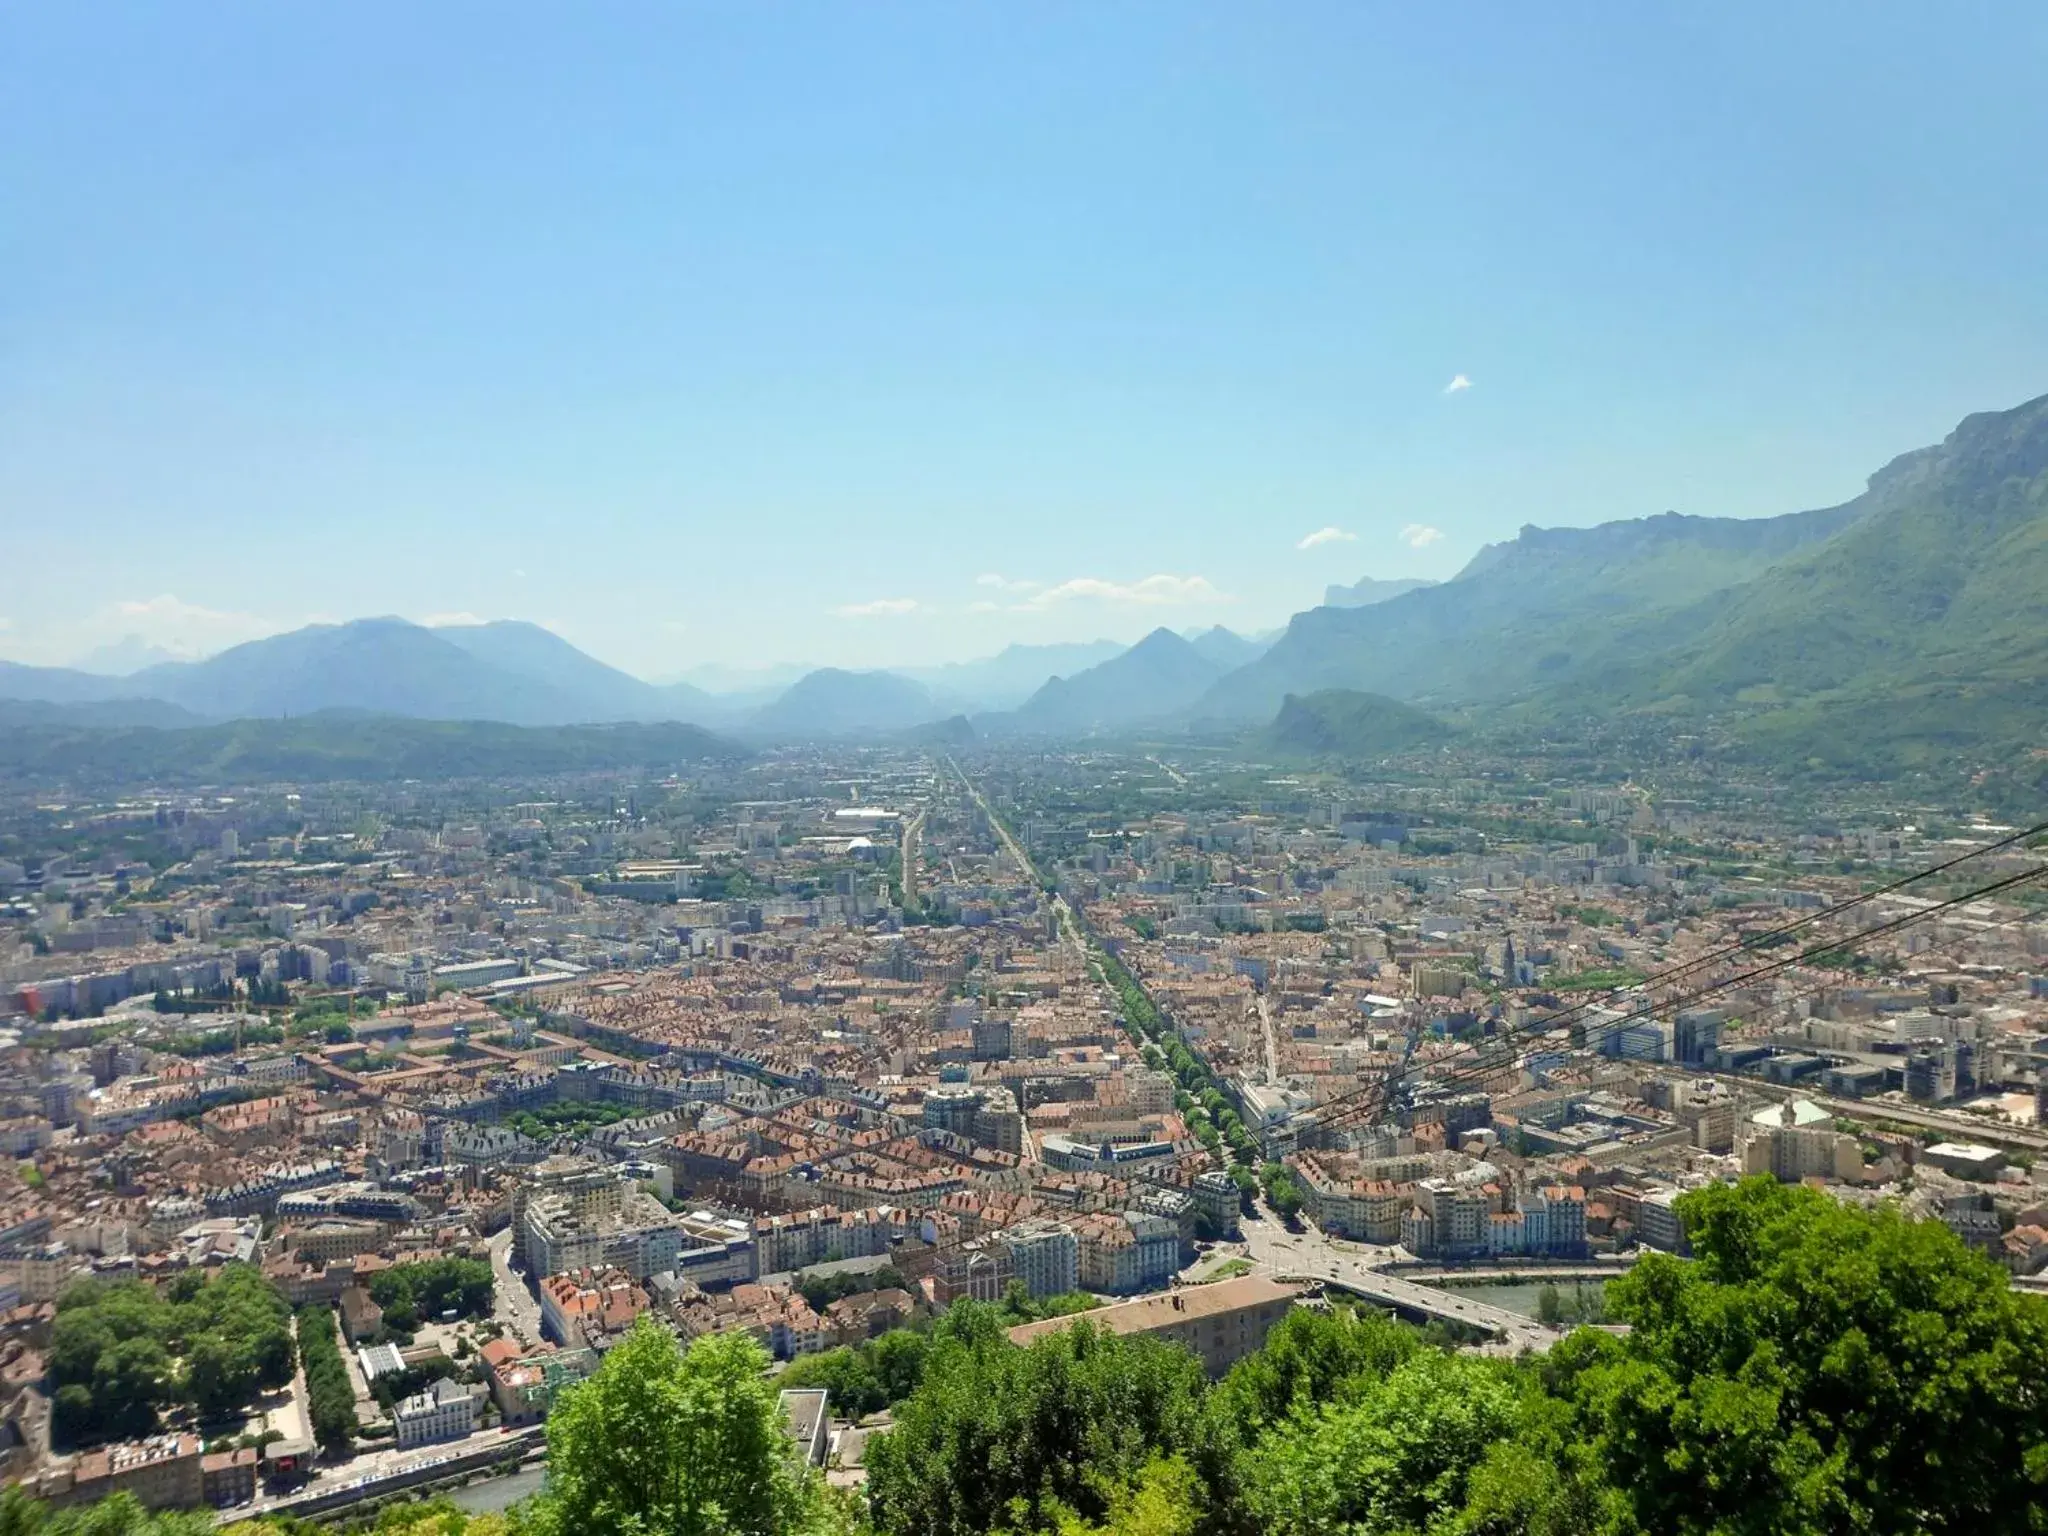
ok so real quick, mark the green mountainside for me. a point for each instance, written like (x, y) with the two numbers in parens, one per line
(1905, 627)
(1340, 722)
(1521, 615)
(1942, 576)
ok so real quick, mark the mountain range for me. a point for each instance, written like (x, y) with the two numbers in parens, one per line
(1905, 622)
(522, 674)
(512, 672)
(1520, 614)
(1910, 620)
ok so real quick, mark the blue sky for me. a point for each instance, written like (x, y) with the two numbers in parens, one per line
(747, 333)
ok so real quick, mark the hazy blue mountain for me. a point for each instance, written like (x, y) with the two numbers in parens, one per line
(60, 685)
(1013, 674)
(1523, 614)
(1159, 676)
(833, 702)
(1227, 648)
(603, 692)
(1339, 722)
(954, 731)
(1367, 590)
(376, 666)
(509, 671)
(95, 714)
(720, 680)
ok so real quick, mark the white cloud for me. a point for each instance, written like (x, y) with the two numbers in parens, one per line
(1458, 385)
(464, 620)
(1327, 536)
(1420, 535)
(1160, 591)
(879, 608)
(1006, 584)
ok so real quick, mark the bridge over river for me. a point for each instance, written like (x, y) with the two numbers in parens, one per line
(1430, 1304)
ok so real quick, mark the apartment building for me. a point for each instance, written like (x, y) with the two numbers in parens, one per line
(162, 1472)
(1047, 1256)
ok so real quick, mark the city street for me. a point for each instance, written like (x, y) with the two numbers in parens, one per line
(370, 1467)
(1266, 1029)
(511, 1303)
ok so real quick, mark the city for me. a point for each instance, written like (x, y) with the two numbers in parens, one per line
(812, 1047)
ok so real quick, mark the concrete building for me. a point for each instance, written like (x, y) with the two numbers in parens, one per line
(1797, 1140)
(640, 1236)
(592, 1190)
(1965, 1159)
(1657, 1222)
(806, 1417)
(228, 1478)
(162, 1472)
(1217, 1198)
(444, 1411)
(1448, 1219)
(1221, 1323)
(784, 1244)
(475, 973)
(952, 1107)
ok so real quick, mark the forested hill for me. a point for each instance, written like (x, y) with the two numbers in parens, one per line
(330, 748)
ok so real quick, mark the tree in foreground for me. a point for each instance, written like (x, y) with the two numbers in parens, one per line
(1394, 1457)
(1001, 1438)
(119, 1515)
(1817, 1368)
(664, 1441)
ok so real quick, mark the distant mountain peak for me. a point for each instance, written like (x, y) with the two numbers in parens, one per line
(1368, 590)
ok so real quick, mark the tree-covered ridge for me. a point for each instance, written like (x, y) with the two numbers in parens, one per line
(1345, 723)
(329, 748)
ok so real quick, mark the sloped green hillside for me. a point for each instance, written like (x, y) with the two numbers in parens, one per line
(1340, 722)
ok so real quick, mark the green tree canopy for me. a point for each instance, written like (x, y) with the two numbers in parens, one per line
(1393, 1458)
(1818, 1368)
(664, 1441)
(1001, 1437)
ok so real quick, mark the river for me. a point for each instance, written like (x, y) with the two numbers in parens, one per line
(487, 1495)
(1520, 1295)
